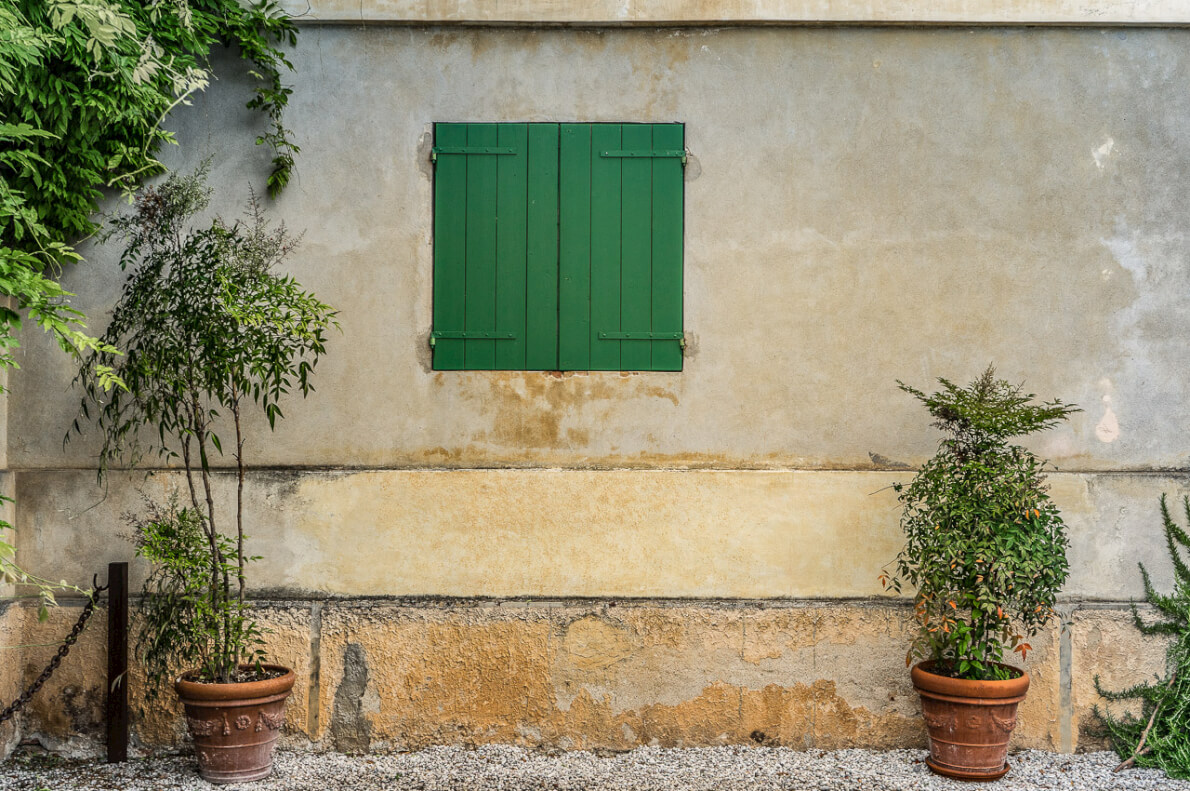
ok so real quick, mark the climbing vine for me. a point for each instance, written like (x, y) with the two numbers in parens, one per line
(85, 87)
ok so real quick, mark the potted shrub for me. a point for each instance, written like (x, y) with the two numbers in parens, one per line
(209, 333)
(986, 551)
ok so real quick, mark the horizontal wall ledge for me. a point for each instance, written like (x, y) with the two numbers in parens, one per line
(1100, 13)
(575, 533)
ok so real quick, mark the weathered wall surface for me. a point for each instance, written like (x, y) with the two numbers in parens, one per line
(10, 678)
(862, 205)
(588, 533)
(612, 675)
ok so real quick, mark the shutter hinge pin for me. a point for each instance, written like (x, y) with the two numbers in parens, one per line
(433, 156)
(682, 343)
(433, 341)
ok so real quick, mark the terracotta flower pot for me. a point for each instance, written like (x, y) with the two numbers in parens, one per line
(969, 722)
(234, 726)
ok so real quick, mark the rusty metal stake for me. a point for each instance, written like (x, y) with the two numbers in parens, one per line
(117, 662)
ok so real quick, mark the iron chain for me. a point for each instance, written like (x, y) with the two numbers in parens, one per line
(63, 650)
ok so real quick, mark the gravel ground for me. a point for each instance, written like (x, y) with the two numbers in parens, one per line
(647, 769)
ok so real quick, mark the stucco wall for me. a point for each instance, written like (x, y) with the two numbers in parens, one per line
(589, 533)
(862, 205)
(612, 675)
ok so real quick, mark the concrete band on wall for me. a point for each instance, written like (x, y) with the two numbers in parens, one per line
(737, 534)
(1099, 13)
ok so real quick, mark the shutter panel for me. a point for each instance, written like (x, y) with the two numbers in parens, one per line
(667, 246)
(511, 237)
(606, 246)
(636, 264)
(479, 354)
(495, 247)
(622, 238)
(541, 333)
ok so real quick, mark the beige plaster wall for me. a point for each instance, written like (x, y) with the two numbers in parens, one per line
(590, 533)
(383, 675)
(862, 206)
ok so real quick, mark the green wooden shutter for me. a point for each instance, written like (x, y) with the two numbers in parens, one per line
(620, 247)
(495, 247)
(558, 246)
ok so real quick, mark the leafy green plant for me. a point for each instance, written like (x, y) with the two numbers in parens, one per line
(985, 546)
(181, 626)
(1160, 737)
(209, 333)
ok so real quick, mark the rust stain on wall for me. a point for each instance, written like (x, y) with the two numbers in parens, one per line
(534, 410)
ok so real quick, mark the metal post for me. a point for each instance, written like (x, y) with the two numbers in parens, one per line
(117, 662)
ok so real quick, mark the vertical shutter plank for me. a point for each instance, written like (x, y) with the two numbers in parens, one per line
(606, 227)
(636, 297)
(480, 354)
(574, 289)
(667, 246)
(511, 200)
(450, 239)
(542, 249)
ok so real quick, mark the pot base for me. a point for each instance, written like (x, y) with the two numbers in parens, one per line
(964, 774)
(216, 777)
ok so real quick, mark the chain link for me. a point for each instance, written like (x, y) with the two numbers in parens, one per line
(63, 650)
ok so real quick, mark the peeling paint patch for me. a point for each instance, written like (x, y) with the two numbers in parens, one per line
(1101, 154)
(1108, 428)
(350, 728)
(886, 463)
(594, 643)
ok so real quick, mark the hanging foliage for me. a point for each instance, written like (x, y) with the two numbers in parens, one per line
(85, 86)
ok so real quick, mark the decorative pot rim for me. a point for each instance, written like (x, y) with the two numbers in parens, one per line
(236, 690)
(926, 681)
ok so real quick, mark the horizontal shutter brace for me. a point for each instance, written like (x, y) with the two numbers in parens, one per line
(645, 154)
(489, 150)
(680, 337)
(470, 335)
